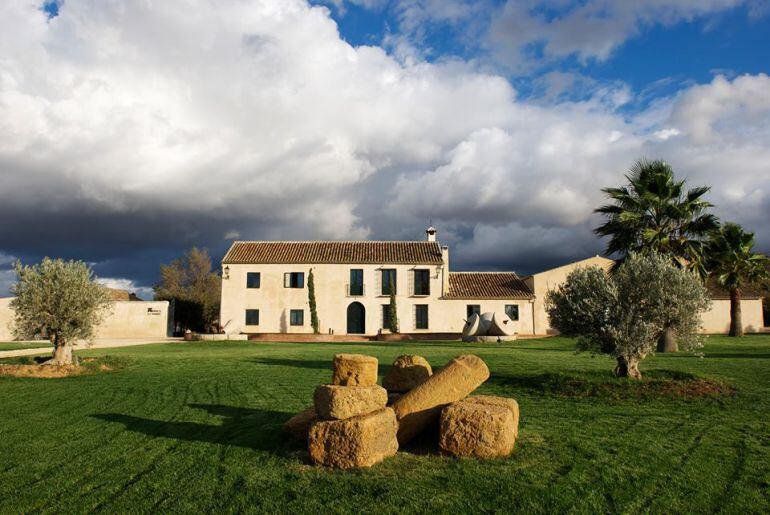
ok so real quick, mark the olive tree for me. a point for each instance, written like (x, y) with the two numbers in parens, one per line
(624, 313)
(58, 299)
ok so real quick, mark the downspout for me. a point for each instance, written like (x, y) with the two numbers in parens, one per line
(532, 303)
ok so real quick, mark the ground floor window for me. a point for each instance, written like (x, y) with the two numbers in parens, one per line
(386, 316)
(512, 310)
(297, 317)
(252, 317)
(421, 316)
(472, 309)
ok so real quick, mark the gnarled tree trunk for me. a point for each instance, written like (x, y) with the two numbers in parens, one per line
(736, 322)
(628, 367)
(62, 352)
(667, 341)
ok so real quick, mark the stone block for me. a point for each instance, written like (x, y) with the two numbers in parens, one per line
(406, 373)
(421, 406)
(354, 442)
(354, 370)
(493, 400)
(299, 425)
(474, 429)
(335, 402)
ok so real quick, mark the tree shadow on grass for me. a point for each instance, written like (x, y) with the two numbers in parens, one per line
(296, 363)
(717, 355)
(655, 384)
(243, 427)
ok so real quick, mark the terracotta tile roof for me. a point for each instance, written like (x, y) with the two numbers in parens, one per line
(122, 295)
(353, 252)
(487, 285)
(716, 292)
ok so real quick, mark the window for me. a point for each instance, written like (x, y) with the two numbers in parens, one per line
(512, 310)
(471, 309)
(356, 282)
(297, 317)
(386, 316)
(252, 317)
(294, 280)
(253, 279)
(388, 280)
(421, 316)
(422, 282)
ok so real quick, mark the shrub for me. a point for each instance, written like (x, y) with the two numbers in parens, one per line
(624, 314)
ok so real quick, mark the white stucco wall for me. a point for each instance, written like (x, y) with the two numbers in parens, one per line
(542, 282)
(124, 320)
(6, 318)
(717, 319)
(133, 319)
(274, 301)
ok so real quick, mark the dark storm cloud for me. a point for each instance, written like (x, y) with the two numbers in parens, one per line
(126, 139)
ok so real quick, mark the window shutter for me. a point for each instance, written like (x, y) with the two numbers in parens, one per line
(378, 281)
(414, 317)
(411, 282)
(287, 280)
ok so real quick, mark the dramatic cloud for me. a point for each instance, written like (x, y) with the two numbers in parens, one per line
(130, 131)
(533, 32)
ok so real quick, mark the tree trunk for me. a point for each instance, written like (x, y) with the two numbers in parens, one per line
(736, 322)
(667, 341)
(628, 367)
(62, 353)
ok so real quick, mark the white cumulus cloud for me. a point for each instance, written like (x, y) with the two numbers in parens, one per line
(134, 126)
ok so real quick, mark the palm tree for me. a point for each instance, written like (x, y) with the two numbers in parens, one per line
(733, 264)
(654, 213)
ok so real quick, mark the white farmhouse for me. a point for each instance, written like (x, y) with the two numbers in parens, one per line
(265, 290)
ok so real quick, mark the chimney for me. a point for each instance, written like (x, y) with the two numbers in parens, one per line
(431, 232)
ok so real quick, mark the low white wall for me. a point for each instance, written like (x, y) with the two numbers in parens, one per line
(124, 320)
(6, 318)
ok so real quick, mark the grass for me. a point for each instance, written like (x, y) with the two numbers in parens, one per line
(197, 427)
(24, 345)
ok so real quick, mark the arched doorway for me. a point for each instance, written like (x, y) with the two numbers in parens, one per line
(356, 318)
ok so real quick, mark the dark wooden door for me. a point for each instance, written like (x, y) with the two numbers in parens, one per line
(356, 318)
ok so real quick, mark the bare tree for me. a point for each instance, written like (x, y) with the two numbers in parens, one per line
(196, 289)
(58, 299)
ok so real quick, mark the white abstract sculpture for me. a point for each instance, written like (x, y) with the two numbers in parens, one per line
(489, 327)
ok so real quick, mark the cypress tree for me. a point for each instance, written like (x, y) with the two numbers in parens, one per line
(311, 300)
(392, 309)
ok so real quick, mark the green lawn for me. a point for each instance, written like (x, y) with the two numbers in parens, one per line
(24, 345)
(196, 427)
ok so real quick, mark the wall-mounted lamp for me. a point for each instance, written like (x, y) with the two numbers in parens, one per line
(226, 272)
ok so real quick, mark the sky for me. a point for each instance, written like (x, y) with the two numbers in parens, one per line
(132, 130)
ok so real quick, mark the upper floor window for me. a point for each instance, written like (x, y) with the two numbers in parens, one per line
(472, 309)
(512, 310)
(253, 279)
(421, 316)
(297, 317)
(422, 282)
(252, 317)
(388, 281)
(356, 286)
(294, 280)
